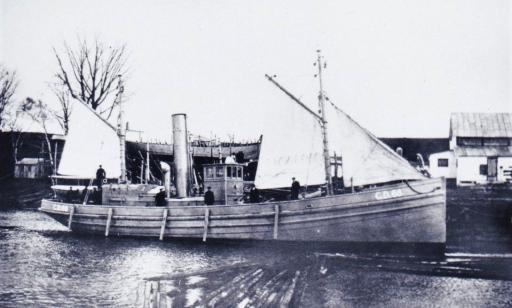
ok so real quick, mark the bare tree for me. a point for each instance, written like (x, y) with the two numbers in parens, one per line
(64, 112)
(8, 85)
(12, 122)
(89, 73)
(41, 114)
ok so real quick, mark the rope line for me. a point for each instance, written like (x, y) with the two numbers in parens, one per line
(419, 192)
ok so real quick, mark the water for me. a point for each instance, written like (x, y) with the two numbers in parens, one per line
(42, 264)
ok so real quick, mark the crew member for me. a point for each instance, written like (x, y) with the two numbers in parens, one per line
(69, 195)
(209, 197)
(254, 195)
(84, 193)
(100, 176)
(160, 198)
(295, 189)
(96, 196)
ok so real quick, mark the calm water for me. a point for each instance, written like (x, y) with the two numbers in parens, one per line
(42, 264)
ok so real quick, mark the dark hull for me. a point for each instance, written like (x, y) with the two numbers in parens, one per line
(412, 212)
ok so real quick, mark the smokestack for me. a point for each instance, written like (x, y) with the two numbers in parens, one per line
(180, 153)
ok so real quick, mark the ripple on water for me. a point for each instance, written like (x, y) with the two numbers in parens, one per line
(42, 264)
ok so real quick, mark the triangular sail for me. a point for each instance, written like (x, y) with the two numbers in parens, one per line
(366, 160)
(292, 147)
(90, 142)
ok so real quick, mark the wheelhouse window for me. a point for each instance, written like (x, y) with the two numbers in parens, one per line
(220, 171)
(239, 172)
(228, 172)
(442, 162)
(209, 172)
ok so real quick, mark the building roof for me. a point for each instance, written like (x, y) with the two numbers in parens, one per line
(440, 154)
(487, 151)
(30, 161)
(481, 125)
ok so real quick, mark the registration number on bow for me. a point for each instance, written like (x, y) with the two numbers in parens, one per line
(60, 208)
(388, 194)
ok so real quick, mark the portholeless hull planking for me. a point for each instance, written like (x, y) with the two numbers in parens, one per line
(407, 212)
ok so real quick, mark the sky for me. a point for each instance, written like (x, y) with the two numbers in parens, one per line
(397, 67)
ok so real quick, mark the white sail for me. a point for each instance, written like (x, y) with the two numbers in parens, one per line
(90, 142)
(292, 147)
(366, 159)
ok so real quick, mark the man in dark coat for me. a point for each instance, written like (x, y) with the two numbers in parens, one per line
(100, 176)
(295, 189)
(69, 195)
(254, 195)
(160, 198)
(209, 197)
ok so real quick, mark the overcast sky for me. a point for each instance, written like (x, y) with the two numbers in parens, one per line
(397, 67)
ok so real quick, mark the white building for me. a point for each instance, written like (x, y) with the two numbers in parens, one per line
(480, 149)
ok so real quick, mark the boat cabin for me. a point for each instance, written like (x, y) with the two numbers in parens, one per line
(226, 181)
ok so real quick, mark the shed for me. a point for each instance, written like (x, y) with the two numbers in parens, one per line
(442, 164)
(480, 149)
(30, 168)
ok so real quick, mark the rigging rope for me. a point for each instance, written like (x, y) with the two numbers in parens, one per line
(419, 192)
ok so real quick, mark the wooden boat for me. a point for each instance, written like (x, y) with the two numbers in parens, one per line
(384, 200)
(411, 212)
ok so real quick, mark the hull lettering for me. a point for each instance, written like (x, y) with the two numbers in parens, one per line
(60, 208)
(388, 194)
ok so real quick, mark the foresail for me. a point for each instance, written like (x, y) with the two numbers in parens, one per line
(90, 142)
(366, 159)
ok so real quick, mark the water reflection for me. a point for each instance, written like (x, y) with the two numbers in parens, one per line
(43, 264)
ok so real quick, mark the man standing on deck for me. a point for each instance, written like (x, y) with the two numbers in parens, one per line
(100, 176)
(295, 189)
(209, 197)
(254, 195)
(160, 198)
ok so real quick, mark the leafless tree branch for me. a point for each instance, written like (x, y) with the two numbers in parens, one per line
(40, 113)
(64, 113)
(90, 72)
(8, 85)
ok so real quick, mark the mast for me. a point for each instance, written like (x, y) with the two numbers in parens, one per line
(121, 130)
(321, 105)
(321, 118)
(147, 163)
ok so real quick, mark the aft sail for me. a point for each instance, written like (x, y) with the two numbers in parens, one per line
(292, 147)
(91, 141)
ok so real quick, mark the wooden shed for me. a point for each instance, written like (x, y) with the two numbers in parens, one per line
(480, 149)
(30, 168)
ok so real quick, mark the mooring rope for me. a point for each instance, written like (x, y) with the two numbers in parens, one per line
(419, 192)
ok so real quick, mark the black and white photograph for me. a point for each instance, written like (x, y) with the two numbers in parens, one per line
(221, 153)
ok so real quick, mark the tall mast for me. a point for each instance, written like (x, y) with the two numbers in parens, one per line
(121, 130)
(321, 105)
(146, 177)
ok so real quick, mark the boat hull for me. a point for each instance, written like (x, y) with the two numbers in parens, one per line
(413, 212)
